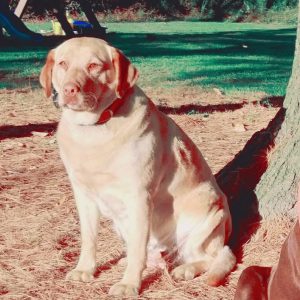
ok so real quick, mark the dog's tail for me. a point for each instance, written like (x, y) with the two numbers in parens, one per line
(221, 266)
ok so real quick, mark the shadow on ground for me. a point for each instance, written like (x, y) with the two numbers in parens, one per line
(18, 131)
(273, 101)
(239, 178)
(239, 59)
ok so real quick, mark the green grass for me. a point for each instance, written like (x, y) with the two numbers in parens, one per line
(234, 57)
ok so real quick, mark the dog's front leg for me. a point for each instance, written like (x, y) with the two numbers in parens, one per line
(89, 220)
(137, 239)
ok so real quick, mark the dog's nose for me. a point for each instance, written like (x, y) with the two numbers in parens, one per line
(71, 89)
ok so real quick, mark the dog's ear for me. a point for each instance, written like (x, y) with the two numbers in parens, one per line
(126, 73)
(46, 74)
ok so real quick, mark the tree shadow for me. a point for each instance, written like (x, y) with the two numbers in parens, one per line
(18, 131)
(273, 101)
(239, 178)
(226, 44)
(197, 108)
(229, 59)
(21, 61)
(107, 266)
(150, 279)
(239, 59)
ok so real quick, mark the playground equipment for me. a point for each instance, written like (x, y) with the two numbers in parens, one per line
(15, 27)
(78, 26)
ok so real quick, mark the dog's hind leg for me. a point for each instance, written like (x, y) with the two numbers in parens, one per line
(203, 250)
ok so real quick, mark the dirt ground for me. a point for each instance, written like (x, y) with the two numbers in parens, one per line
(39, 229)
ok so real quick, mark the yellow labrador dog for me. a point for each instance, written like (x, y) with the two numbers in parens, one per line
(128, 161)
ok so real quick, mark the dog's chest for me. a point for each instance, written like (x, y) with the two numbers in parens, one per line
(103, 167)
(98, 168)
(95, 176)
(89, 151)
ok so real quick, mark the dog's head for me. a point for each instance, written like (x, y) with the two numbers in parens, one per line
(87, 73)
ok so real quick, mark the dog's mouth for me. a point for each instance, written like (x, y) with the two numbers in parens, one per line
(82, 102)
(87, 98)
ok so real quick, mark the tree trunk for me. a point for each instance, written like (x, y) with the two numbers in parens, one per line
(277, 188)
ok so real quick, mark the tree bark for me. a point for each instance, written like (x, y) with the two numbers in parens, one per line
(276, 191)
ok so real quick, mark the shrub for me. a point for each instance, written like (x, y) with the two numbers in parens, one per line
(146, 10)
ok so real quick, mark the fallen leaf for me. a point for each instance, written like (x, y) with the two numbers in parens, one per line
(61, 201)
(8, 146)
(218, 92)
(22, 145)
(40, 134)
(12, 114)
(238, 127)
(52, 141)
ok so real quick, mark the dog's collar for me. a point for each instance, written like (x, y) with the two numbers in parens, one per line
(107, 113)
(110, 111)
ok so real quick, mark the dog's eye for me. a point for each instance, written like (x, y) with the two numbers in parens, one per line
(63, 64)
(93, 67)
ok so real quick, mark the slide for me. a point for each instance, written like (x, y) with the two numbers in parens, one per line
(15, 27)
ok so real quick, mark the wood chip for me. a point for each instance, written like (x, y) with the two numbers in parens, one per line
(218, 92)
(238, 127)
(40, 134)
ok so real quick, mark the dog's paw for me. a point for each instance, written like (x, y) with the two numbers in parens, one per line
(78, 275)
(124, 290)
(184, 272)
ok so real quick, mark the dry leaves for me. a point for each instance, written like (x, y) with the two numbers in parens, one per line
(39, 226)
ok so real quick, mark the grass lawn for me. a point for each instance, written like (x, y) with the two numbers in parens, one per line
(233, 57)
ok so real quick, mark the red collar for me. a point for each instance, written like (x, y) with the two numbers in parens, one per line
(112, 109)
